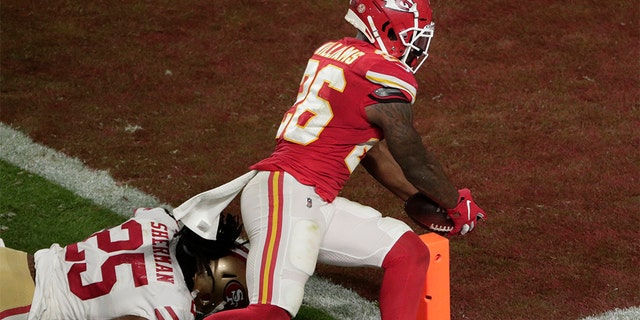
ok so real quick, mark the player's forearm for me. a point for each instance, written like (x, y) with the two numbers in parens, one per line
(381, 166)
(424, 171)
(430, 179)
(420, 168)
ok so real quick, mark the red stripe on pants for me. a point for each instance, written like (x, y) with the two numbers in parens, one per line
(274, 232)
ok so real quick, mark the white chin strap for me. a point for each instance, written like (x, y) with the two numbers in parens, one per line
(376, 35)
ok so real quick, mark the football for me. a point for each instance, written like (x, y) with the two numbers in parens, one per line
(428, 214)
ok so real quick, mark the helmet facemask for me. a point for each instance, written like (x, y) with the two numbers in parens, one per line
(416, 50)
(203, 288)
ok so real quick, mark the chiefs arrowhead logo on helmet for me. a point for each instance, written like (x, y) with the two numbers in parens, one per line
(401, 5)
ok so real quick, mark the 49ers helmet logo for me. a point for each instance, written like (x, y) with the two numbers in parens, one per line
(401, 5)
(235, 295)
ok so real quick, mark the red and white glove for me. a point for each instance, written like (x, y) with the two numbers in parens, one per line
(466, 214)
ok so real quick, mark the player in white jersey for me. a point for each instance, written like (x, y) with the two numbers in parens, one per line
(146, 268)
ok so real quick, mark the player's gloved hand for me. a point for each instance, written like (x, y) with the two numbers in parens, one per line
(466, 214)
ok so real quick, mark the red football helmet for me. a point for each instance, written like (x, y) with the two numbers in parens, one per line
(401, 28)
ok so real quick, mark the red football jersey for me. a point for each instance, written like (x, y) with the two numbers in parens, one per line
(326, 133)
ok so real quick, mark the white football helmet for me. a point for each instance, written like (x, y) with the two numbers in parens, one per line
(401, 28)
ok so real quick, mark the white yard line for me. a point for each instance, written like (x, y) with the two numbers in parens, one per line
(71, 173)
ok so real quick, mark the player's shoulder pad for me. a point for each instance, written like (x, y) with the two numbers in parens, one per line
(386, 94)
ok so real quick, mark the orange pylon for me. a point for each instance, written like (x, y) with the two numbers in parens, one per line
(436, 298)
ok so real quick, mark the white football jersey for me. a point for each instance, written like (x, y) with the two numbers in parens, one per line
(130, 269)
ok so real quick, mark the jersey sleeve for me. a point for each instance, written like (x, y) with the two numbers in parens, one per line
(395, 76)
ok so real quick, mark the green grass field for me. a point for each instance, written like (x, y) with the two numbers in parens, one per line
(35, 212)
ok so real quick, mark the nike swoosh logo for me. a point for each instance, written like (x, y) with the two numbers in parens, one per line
(468, 210)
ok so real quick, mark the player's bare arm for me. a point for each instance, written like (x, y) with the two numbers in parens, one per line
(419, 166)
(381, 165)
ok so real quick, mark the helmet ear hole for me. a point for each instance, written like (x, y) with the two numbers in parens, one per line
(391, 34)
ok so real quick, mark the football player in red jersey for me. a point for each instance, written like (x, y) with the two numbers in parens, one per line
(355, 93)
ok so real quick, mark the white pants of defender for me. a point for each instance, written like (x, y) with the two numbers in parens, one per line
(290, 228)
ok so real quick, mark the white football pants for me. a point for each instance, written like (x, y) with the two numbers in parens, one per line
(290, 228)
